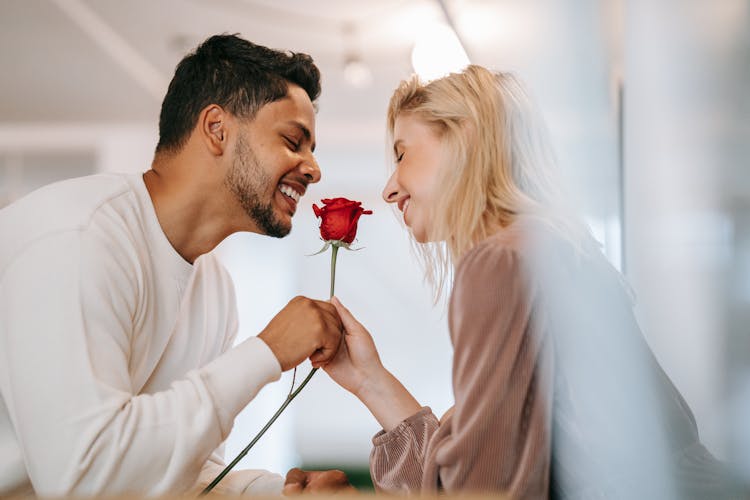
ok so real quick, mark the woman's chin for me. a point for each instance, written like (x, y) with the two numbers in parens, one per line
(421, 236)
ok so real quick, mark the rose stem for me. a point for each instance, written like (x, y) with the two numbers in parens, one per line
(258, 436)
(334, 251)
(217, 479)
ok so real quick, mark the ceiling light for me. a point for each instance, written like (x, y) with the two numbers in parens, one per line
(437, 52)
(357, 73)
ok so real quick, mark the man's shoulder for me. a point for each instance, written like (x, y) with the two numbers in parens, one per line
(56, 209)
(211, 269)
(70, 200)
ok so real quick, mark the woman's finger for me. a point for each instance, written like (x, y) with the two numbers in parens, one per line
(350, 322)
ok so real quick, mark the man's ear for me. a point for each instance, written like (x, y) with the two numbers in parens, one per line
(213, 125)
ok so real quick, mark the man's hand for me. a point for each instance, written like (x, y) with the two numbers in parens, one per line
(325, 481)
(305, 328)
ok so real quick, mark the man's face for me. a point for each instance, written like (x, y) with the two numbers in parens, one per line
(273, 162)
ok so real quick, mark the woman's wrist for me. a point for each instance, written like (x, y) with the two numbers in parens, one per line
(387, 399)
(373, 383)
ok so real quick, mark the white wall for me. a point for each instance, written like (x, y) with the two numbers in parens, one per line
(686, 131)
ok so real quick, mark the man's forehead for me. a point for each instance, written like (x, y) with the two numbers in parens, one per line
(292, 107)
(290, 112)
(298, 98)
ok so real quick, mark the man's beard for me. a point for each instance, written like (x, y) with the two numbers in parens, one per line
(247, 180)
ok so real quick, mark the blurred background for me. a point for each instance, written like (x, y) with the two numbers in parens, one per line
(647, 102)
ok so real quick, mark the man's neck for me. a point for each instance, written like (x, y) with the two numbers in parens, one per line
(192, 211)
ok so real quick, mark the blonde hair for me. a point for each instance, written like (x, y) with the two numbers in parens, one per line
(499, 164)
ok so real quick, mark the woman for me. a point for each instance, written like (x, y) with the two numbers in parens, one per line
(556, 392)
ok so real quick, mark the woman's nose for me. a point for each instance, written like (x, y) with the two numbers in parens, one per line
(391, 190)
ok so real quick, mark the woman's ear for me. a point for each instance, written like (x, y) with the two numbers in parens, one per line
(469, 131)
(213, 126)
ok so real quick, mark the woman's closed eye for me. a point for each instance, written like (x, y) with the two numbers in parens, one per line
(399, 157)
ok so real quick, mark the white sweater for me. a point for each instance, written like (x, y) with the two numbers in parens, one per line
(116, 367)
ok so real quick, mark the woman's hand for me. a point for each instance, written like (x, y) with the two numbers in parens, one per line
(357, 368)
(357, 359)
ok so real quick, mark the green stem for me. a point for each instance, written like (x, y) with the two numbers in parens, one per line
(334, 252)
(290, 397)
(242, 454)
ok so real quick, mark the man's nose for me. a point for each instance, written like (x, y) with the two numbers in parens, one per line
(311, 170)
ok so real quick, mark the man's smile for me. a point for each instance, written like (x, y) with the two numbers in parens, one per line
(292, 192)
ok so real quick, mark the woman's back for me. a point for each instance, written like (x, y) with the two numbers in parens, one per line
(619, 426)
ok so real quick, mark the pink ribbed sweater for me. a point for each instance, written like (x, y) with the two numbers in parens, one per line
(496, 438)
(557, 393)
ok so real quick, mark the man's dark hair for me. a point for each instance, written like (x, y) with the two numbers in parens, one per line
(238, 75)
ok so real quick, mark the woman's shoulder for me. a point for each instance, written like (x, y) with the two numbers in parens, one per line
(518, 241)
(495, 259)
(533, 249)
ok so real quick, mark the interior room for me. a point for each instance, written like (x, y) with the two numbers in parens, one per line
(646, 103)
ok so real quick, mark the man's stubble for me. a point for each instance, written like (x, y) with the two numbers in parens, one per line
(248, 181)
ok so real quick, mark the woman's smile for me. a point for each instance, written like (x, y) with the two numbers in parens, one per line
(403, 206)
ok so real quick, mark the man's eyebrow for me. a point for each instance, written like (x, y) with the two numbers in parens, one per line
(305, 131)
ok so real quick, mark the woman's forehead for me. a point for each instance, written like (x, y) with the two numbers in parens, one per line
(410, 126)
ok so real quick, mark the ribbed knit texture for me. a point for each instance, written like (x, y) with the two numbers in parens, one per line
(496, 438)
(557, 394)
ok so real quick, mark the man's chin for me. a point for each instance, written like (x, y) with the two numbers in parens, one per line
(269, 224)
(280, 234)
(277, 229)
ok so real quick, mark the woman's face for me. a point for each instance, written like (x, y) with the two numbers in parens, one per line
(419, 153)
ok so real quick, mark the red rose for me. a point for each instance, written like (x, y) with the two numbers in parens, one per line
(339, 218)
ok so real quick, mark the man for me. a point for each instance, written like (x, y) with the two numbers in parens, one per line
(117, 371)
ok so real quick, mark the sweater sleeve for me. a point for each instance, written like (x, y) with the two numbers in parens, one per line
(237, 482)
(498, 437)
(66, 313)
(397, 458)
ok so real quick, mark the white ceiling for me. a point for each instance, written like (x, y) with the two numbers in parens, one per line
(72, 69)
(110, 60)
